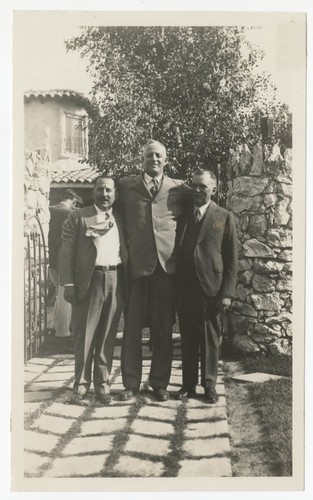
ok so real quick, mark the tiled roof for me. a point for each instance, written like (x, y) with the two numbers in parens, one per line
(87, 175)
(54, 93)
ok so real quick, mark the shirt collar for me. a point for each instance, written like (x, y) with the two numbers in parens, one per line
(202, 209)
(147, 178)
(108, 212)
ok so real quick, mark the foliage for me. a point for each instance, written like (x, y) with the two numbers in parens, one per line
(283, 126)
(195, 89)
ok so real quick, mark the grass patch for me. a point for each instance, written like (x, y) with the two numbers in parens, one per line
(274, 405)
(248, 457)
(278, 364)
(263, 445)
(171, 461)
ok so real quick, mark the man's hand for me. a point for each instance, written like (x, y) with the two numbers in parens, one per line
(224, 303)
(69, 294)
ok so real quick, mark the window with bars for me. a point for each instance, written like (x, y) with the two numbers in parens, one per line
(75, 140)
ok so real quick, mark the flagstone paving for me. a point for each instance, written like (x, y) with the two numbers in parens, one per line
(137, 438)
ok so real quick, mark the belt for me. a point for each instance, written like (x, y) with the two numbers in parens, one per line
(107, 268)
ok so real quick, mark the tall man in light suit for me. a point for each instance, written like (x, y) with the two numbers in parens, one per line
(93, 259)
(206, 279)
(152, 205)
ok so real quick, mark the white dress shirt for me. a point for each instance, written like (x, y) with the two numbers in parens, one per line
(201, 210)
(108, 245)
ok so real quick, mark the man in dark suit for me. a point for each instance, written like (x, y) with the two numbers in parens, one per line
(152, 205)
(93, 259)
(58, 214)
(206, 279)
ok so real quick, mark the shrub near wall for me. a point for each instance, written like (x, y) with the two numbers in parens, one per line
(259, 194)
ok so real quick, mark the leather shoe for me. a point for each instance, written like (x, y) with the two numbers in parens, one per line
(185, 392)
(77, 398)
(104, 399)
(128, 393)
(161, 394)
(210, 395)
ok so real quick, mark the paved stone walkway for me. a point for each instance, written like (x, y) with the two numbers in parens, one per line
(138, 438)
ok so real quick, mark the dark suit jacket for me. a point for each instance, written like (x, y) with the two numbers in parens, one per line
(58, 214)
(78, 252)
(151, 223)
(216, 252)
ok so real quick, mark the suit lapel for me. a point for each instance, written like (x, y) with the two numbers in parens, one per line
(89, 215)
(89, 218)
(207, 222)
(140, 186)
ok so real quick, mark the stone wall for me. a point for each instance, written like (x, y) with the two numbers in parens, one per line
(36, 190)
(259, 194)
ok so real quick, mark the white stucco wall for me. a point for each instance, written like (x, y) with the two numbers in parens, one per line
(44, 119)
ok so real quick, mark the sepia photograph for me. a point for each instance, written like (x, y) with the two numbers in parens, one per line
(158, 329)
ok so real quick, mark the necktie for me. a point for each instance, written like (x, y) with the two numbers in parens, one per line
(155, 188)
(197, 216)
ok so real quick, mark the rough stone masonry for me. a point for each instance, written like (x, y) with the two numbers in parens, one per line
(259, 194)
(36, 190)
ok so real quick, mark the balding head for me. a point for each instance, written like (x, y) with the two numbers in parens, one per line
(152, 141)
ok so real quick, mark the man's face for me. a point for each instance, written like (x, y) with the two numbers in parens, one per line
(73, 204)
(104, 194)
(154, 159)
(203, 187)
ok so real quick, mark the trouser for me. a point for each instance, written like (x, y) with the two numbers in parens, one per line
(62, 310)
(95, 321)
(200, 328)
(151, 299)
